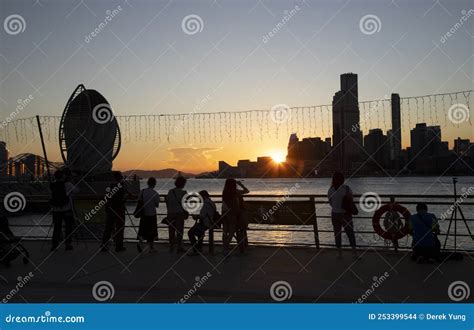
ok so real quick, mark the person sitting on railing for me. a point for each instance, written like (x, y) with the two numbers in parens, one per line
(204, 221)
(231, 211)
(424, 228)
(342, 209)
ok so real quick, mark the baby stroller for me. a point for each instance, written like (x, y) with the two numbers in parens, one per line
(10, 245)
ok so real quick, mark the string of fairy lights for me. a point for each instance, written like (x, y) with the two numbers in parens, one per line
(445, 110)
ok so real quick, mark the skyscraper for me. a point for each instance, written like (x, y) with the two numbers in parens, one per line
(3, 159)
(396, 132)
(425, 140)
(347, 137)
(375, 143)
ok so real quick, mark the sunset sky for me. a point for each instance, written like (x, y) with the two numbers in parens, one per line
(144, 62)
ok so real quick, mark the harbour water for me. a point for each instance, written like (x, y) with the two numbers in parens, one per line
(303, 235)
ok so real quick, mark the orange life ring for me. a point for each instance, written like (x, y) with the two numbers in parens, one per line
(391, 207)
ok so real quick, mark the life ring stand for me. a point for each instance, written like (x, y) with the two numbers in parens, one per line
(386, 234)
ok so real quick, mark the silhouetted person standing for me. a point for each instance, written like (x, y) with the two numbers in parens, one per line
(231, 211)
(148, 223)
(62, 209)
(424, 228)
(115, 214)
(176, 214)
(340, 199)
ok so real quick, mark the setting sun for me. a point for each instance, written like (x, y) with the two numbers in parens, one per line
(278, 156)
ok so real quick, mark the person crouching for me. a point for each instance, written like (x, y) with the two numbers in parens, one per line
(203, 222)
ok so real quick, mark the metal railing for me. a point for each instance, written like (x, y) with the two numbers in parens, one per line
(320, 202)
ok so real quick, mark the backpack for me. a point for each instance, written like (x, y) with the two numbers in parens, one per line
(348, 204)
(58, 194)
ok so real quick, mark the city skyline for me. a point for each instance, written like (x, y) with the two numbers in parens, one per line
(144, 62)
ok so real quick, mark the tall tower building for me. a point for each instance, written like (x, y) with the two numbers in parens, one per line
(3, 159)
(396, 133)
(347, 137)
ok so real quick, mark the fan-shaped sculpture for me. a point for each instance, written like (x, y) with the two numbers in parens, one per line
(89, 135)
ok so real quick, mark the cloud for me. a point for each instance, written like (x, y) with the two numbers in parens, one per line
(192, 159)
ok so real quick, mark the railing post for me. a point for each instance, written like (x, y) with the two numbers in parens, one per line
(394, 241)
(315, 223)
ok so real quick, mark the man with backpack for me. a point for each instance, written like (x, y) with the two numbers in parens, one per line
(62, 209)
